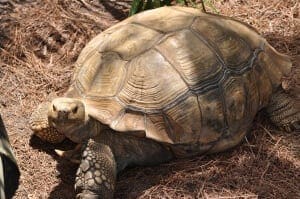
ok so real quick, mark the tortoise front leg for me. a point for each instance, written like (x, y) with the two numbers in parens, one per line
(96, 175)
(39, 125)
(110, 153)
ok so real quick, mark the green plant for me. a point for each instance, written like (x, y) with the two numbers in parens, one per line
(210, 4)
(140, 5)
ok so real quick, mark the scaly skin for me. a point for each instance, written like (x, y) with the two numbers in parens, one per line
(39, 124)
(284, 111)
(96, 175)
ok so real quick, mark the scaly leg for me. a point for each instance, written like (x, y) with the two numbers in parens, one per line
(110, 153)
(96, 175)
(284, 111)
(40, 126)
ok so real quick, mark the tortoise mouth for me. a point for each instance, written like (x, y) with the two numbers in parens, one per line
(75, 130)
(65, 124)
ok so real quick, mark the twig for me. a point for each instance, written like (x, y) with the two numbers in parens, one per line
(203, 6)
(273, 6)
(249, 145)
(268, 132)
(265, 171)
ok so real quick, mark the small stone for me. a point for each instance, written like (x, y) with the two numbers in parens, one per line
(90, 182)
(84, 154)
(88, 175)
(89, 158)
(97, 173)
(78, 171)
(78, 183)
(112, 186)
(98, 180)
(107, 185)
(85, 165)
(78, 180)
(97, 166)
(103, 177)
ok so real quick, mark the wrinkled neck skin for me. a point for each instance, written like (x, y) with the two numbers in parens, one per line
(82, 132)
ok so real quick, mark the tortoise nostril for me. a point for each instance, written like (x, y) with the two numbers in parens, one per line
(63, 114)
(75, 109)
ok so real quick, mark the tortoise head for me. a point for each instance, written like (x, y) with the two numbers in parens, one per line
(68, 116)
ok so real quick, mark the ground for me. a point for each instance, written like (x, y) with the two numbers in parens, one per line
(39, 43)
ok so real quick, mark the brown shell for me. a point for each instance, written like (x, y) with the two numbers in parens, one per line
(177, 75)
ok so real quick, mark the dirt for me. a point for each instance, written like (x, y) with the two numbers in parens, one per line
(39, 43)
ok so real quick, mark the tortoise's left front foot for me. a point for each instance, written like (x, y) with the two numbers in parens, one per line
(96, 175)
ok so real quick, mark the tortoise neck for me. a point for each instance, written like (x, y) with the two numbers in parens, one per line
(93, 127)
(87, 130)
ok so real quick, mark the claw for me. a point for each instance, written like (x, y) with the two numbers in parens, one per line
(60, 153)
(72, 155)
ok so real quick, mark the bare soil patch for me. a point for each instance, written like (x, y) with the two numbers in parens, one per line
(39, 43)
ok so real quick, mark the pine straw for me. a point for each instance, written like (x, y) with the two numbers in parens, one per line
(39, 42)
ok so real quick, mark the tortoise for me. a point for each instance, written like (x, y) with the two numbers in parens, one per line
(167, 83)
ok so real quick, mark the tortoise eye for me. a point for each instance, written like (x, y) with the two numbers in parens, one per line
(75, 109)
(53, 107)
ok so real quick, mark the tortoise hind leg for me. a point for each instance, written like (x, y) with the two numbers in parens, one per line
(284, 111)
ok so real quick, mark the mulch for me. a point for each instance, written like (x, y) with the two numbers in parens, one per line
(41, 40)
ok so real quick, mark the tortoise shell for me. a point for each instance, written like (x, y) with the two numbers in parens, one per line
(178, 76)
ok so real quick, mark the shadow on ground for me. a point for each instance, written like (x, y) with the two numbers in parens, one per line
(66, 169)
(248, 170)
(116, 9)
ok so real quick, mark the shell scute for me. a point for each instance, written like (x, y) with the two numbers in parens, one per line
(151, 82)
(235, 102)
(102, 74)
(264, 84)
(252, 93)
(185, 120)
(233, 50)
(130, 121)
(105, 110)
(191, 57)
(211, 106)
(157, 129)
(130, 40)
(168, 20)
